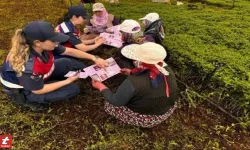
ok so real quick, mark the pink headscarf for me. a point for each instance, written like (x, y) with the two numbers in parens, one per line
(101, 21)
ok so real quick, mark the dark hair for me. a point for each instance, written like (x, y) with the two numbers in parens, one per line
(65, 17)
(28, 41)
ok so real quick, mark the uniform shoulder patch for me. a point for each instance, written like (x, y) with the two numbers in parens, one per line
(36, 76)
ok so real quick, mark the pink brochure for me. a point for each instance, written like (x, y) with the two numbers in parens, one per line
(112, 39)
(100, 74)
(96, 29)
(114, 29)
(83, 75)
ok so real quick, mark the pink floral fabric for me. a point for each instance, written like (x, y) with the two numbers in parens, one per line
(126, 115)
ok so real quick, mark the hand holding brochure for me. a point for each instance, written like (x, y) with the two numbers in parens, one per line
(112, 39)
(97, 73)
(100, 74)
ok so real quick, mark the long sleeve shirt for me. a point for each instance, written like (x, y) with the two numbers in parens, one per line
(122, 96)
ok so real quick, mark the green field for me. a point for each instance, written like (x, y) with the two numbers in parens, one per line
(208, 42)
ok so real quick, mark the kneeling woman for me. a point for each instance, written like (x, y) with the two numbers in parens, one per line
(31, 76)
(148, 96)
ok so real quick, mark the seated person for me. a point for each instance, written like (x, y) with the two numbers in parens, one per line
(77, 16)
(31, 76)
(153, 27)
(148, 96)
(100, 18)
(131, 34)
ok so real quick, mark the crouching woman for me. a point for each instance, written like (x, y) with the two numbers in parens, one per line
(148, 96)
(31, 76)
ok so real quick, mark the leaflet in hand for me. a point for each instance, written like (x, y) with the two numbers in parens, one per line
(96, 29)
(112, 39)
(100, 74)
(83, 75)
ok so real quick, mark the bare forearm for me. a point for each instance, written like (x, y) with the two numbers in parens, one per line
(86, 48)
(88, 41)
(52, 87)
(91, 47)
(78, 54)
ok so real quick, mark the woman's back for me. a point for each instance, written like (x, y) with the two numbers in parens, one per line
(152, 101)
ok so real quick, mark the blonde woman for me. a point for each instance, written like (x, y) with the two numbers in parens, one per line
(31, 76)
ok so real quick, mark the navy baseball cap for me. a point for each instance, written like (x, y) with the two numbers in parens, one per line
(78, 11)
(42, 30)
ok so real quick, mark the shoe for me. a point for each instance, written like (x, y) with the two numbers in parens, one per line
(19, 99)
(36, 107)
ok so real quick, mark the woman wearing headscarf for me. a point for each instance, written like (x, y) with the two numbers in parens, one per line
(130, 34)
(148, 96)
(101, 16)
(153, 27)
(101, 19)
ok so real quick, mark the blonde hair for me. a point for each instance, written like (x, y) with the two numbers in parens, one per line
(19, 52)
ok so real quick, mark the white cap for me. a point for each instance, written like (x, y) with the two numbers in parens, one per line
(152, 17)
(98, 7)
(150, 53)
(130, 26)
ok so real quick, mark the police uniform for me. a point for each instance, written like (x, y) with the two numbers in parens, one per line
(37, 71)
(69, 29)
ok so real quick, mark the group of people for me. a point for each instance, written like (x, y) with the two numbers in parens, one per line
(32, 74)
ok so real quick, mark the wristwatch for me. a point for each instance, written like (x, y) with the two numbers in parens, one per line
(95, 58)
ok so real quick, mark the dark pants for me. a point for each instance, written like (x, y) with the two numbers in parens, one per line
(62, 67)
(62, 93)
(76, 63)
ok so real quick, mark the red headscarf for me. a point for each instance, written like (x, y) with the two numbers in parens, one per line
(154, 74)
